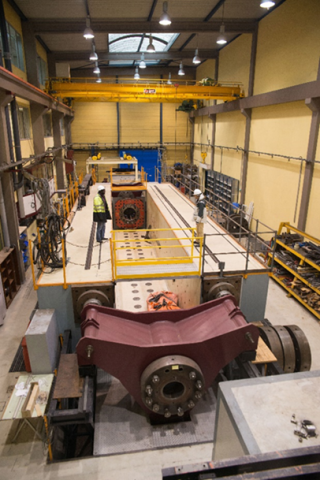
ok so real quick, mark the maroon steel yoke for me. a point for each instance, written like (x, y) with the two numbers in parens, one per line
(165, 359)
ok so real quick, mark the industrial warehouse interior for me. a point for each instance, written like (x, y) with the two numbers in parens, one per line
(159, 239)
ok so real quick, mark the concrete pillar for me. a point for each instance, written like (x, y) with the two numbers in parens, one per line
(30, 52)
(7, 187)
(67, 129)
(60, 166)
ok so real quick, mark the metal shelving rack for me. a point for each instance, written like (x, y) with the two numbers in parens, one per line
(221, 190)
(295, 273)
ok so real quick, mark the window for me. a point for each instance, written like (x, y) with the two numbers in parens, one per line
(42, 71)
(24, 123)
(47, 124)
(15, 45)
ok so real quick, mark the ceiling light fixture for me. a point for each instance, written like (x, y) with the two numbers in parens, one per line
(136, 75)
(150, 47)
(165, 19)
(88, 32)
(196, 58)
(267, 4)
(142, 63)
(93, 56)
(96, 69)
(181, 71)
(98, 80)
(221, 40)
(169, 79)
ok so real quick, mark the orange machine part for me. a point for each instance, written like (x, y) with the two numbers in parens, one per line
(162, 301)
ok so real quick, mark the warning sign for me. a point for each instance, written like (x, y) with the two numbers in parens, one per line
(149, 91)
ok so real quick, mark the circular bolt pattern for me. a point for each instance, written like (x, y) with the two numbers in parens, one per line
(174, 383)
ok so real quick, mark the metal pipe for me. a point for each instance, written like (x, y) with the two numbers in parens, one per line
(3, 216)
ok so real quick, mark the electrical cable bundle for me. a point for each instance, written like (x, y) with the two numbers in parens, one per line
(47, 252)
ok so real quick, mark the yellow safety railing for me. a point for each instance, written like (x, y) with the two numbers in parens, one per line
(166, 256)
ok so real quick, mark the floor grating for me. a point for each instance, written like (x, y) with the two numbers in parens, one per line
(18, 361)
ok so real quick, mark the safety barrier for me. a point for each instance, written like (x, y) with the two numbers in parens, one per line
(167, 256)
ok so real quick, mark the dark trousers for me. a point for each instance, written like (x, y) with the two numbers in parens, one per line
(101, 228)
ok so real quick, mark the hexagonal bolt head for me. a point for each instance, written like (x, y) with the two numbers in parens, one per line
(198, 395)
(167, 414)
(156, 407)
(180, 411)
(155, 379)
(199, 384)
(89, 351)
(192, 375)
(191, 404)
(149, 401)
(149, 390)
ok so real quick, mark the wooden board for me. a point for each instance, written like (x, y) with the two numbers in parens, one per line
(68, 383)
(29, 404)
(264, 354)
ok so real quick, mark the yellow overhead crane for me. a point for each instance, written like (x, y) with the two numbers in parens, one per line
(151, 92)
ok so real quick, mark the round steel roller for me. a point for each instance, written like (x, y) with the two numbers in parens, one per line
(302, 348)
(221, 289)
(289, 353)
(270, 337)
(95, 297)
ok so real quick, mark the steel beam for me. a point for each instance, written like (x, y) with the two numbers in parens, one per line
(284, 95)
(109, 56)
(58, 26)
(11, 83)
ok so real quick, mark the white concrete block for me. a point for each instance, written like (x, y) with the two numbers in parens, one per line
(43, 341)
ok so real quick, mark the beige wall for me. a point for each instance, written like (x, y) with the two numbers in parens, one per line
(94, 122)
(287, 55)
(288, 46)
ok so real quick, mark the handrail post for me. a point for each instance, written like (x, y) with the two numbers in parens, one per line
(65, 286)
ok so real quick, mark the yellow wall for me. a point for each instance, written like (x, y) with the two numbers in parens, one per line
(14, 20)
(273, 182)
(206, 69)
(94, 122)
(234, 62)
(139, 122)
(288, 46)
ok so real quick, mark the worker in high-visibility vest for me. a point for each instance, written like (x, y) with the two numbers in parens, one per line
(101, 213)
(200, 213)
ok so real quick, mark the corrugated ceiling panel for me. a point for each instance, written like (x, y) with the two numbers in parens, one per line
(62, 9)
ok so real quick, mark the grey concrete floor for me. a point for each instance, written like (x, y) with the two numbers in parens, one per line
(27, 457)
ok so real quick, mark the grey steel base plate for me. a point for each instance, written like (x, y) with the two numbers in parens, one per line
(121, 426)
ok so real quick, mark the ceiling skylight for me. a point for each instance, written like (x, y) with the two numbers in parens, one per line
(138, 42)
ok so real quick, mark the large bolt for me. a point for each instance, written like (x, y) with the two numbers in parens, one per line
(180, 411)
(199, 385)
(249, 337)
(149, 390)
(89, 350)
(149, 401)
(156, 407)
(167, 413)
(192, 375)
(191, 404)
(198, 395)
(155, 379)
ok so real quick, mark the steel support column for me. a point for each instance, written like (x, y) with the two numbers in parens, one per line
(247, 112)
(191, 119)
(213, 141)
(31, 56)
(314, 105)
(67, 129)
(8, 211)
(37, 112)
(60, 166)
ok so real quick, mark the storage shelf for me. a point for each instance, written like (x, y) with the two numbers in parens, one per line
(9, 274)
(220, 185)
(300, 255)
